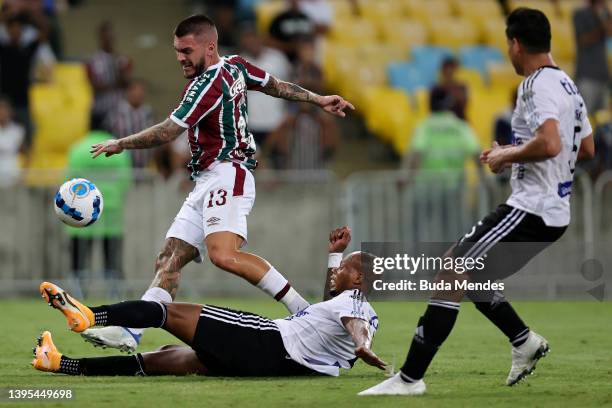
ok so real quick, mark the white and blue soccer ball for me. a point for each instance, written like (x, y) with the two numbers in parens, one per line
(78, 203)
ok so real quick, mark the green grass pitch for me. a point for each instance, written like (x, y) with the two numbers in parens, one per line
(469, 370)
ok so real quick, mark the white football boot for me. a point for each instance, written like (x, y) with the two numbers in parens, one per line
(525, 357)
(111, 336)
(396, 386)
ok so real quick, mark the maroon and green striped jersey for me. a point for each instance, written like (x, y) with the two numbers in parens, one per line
(214, 109)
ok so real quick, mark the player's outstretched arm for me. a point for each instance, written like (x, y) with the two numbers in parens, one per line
(332, 104)
(156, 135)
(358, 330)
(338, 241)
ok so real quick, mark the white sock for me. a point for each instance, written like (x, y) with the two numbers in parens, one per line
(153, 294)
(276, 286)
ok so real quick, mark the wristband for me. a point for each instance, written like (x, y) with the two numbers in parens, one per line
(334, 260)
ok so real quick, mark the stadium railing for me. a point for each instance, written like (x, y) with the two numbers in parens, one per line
(289, 225)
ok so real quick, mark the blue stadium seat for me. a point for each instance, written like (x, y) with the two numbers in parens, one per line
(429, 59)
(407, 76)
(478, 57)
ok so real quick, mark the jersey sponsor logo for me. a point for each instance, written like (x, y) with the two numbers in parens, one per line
(564, 189)
(212, 221)
(238, 87)
(374, 322)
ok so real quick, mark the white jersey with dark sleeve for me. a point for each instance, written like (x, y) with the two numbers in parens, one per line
(544, 188)
(317, 338)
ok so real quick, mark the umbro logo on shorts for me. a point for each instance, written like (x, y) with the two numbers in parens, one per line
(212, 221)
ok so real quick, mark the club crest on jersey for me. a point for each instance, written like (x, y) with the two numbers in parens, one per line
(238, 87)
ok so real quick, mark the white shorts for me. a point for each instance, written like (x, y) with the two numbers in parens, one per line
(221, 200)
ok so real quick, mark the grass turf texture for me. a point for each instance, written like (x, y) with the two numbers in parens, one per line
(469, 370)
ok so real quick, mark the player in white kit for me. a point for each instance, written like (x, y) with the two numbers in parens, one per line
(551, 131)
(321, 339)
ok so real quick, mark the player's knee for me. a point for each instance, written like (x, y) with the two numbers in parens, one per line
(224, 259)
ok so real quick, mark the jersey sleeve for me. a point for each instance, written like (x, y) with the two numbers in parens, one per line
(585, 128)
(350, 304)
(539, 104)
(199, 99)
(256, 78)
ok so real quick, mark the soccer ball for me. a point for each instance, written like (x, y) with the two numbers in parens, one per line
(78, 203)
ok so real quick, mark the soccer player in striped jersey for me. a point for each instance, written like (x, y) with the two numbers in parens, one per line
(551, 131)
(213, 110)
(320, 339)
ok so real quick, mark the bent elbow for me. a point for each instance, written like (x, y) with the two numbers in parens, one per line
(553, 150)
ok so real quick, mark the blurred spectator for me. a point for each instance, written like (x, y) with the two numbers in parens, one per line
(23, 35)
(131, 115)
(305, 140)
(593, 25)
(108, 72)
(456, 90)
(502, 133)
(224, 14)
(265, 113)
(308, 73)
(441, 146)
(113, 177)
(603, 147)
(11, 139)
(320, 12)
(289, 27)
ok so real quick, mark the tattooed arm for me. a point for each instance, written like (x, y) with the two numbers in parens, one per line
(156, 135)
(332, 104)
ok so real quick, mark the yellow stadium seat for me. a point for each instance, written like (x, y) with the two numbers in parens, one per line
(563, 40)
(405, 33)
(471, 77)
(453, 32)
(356, 32)
(494, 34)
(545, 6)
(469, 8)
(342, 9)
(483, 107)
(382, 53)
(478, 11)
(380, 10)
(503, 77)
(567, 7)
(380, 103)
(428, 10)
(356, 78)
(265, 11)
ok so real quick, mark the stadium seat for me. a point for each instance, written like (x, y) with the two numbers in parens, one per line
(493, 34)
(380, 10)
(503, 77)
(476, 8)
(563, 40)
(427, 11)
(408, 76)
(404, 33)
(546, 6)
(471, 77)
(356, 32)
(265, 11)
(353, 82)
(428, 59)
(478, 57)
(376, 107)
(342, 9)
(482, 108)
(452, 32)
(567, 7)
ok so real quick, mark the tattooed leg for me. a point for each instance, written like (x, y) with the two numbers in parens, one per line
(173, 257)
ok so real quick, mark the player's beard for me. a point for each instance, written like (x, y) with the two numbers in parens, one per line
(198, 69)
